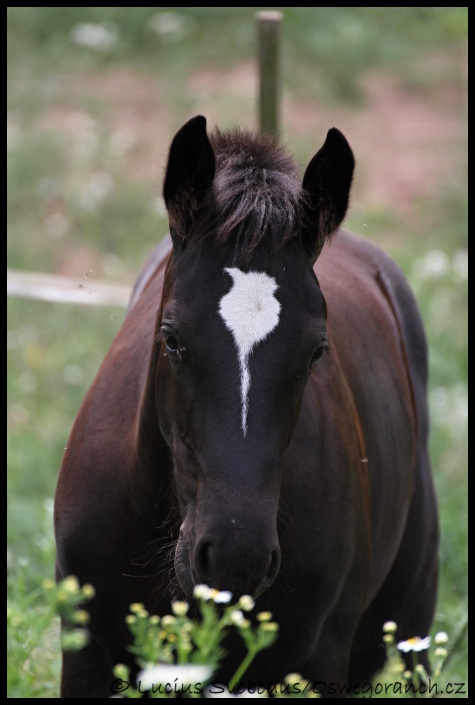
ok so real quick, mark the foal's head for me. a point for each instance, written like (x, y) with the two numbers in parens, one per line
(243, 324)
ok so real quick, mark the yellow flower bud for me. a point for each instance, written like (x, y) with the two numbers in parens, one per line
(81, 617)
(264, 616)
(293, 678)
(168, 620)
(390, 627)
(88, 591)
(121, 672)
(180, 608)
(70, 585)
(441, 638)
(246, 603)
(269, 626)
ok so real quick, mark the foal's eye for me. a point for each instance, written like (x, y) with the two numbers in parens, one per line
(317, 355)
(172, 344)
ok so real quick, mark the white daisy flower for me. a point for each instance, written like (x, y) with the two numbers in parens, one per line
(178, 676)
(221, 597)
(415, 643)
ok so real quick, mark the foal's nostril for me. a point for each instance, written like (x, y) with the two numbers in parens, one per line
(203, 562)
(274, 566)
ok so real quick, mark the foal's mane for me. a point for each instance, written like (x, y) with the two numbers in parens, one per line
(257, 192)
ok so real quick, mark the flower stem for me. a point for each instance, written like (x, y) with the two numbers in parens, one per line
(241, 669)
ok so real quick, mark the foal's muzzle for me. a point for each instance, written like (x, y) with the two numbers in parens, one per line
(227, 563)
(244, 570)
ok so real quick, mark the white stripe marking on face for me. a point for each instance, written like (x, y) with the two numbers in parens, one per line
(250, 311)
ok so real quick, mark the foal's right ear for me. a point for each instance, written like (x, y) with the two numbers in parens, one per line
(189, 175)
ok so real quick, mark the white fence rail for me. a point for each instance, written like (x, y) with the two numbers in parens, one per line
(49, 287)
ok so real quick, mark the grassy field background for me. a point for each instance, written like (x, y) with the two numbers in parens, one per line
(94, 97)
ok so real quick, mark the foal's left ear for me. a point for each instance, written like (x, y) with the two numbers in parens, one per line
(189, 175)
(327, 183)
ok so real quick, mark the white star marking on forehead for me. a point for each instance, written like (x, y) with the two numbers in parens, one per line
(250, 311)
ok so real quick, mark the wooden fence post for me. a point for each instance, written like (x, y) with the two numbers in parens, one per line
(268, 23)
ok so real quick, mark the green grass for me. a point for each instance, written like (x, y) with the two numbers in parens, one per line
(79, 199)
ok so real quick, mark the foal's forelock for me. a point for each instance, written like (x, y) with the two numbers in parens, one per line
(257, 196)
